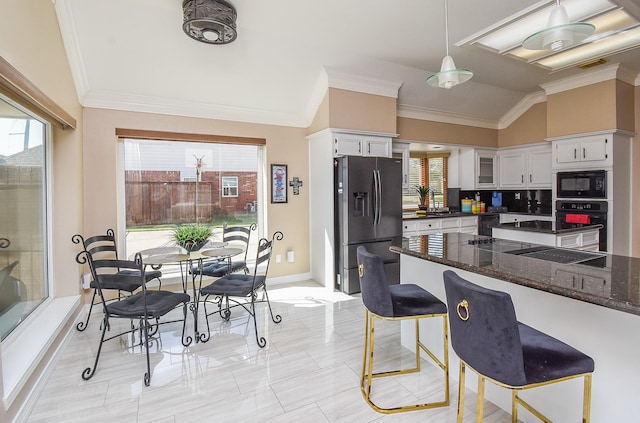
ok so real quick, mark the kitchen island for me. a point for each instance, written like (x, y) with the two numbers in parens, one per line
(589, 300)
(546, 233)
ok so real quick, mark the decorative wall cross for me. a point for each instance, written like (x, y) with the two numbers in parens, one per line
(296, 183)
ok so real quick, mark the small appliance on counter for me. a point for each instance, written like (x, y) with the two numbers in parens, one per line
(496, 199)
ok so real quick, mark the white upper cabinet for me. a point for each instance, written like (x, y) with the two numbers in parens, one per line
(513, 168)
(361, 145)
(525, 167)
(477, 169)
(593, 151)
(400, 150)
(539, 165)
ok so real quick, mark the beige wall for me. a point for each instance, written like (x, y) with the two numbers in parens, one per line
(445, 133)
(530, 127)
(363, 112)
(624, 106)
(585, 109)
(321, 119)
(284, 145)
(30, 41)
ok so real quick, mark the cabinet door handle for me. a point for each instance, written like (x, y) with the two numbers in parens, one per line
(359, 148)
(584, 153)
(530, 178)
(522, 178)
(575, 153)
(369, 149)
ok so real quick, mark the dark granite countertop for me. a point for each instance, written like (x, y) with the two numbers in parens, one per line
(542, 226)
(440, 215)
(610, 281)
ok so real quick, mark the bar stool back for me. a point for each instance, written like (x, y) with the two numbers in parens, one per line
(396, 302)
(490, 341)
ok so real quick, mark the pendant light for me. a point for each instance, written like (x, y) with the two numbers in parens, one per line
(560, 33)
(448, 76)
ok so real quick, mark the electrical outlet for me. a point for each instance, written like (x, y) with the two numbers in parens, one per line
(278, 258)
(517, 195)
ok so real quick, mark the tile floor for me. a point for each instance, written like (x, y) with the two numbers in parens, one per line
(309, 371)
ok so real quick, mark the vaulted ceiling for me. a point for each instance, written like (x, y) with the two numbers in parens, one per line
(134, 55)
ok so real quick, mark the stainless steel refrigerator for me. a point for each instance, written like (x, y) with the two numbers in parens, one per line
(368, 211)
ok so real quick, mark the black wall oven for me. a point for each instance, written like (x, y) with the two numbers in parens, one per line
(582, 184)
(576, 214)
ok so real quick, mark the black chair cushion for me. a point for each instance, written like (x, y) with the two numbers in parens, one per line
(233, 285)
(148, 275)
(546, 358)
(116, 281)
(217, 269)
(411, 300)
(158, 304)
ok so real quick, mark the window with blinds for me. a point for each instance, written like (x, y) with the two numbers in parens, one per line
(430, 170)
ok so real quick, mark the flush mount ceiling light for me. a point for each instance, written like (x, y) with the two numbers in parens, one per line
(209, 21)
(448, 76)
(559, 33)
(616, 31)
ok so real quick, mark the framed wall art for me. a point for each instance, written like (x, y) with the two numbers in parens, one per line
(278, 183)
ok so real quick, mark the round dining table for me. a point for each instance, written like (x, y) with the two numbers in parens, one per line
(187, 260)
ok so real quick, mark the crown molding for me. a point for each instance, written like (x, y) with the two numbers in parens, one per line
(362, 84)
(519, 109)
(167, 106)
(317, 95)
(71, 46)
(421, 113)
(605, 73)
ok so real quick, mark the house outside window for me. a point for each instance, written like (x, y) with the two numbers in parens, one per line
(229, 186)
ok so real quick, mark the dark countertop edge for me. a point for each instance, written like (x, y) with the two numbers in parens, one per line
(512, 226)
(519, 280)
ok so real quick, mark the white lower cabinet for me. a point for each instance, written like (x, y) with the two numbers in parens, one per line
(512, 217)
(429, 226)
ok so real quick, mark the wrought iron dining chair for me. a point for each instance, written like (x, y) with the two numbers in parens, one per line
(396, 303)
(490, 341)
(144, 306)
(236, 236)
(105, 247)
(238, 289)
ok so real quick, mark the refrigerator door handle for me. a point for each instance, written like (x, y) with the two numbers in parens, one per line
(375, 198)
(379, 198)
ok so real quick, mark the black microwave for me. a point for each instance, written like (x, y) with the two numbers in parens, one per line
(582, 184)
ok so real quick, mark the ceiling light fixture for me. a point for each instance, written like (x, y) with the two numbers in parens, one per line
(559, 33)
(448, 76)
(209, 21)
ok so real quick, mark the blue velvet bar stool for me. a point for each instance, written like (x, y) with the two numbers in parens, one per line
(397, 302)
(490, 341)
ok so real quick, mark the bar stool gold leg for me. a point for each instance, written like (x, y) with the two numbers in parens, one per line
(586, 402)
(480, 403)
(461, 384)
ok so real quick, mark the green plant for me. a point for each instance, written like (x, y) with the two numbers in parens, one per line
(192, 235)
(422, 191)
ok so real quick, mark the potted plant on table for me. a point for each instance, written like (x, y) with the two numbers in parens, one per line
(192, 236)
(423, 192)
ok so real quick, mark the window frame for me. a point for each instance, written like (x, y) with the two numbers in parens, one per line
(124, 133)
(224, 188)
(424, 176)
